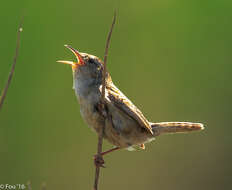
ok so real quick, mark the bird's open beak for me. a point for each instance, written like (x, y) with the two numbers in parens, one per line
(74, 65)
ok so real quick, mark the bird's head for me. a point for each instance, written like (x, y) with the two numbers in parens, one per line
(87, 67)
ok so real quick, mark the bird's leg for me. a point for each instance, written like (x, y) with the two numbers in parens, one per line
(98, 159)
(111, 150)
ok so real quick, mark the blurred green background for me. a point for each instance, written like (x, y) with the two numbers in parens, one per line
(171, 58)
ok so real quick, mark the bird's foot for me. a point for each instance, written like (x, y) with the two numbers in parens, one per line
(99, 161)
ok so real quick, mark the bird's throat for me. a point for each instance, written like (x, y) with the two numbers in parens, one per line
(85, 87)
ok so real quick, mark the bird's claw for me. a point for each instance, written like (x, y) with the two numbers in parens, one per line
(98, 161)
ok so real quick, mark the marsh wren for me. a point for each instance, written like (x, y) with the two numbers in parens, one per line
(125, 125)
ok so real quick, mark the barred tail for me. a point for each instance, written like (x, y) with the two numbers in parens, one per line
(175, 127)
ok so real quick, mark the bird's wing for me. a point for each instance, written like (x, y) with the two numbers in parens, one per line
(125, 105)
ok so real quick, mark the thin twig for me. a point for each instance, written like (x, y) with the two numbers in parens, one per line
(105, 57)
(2, 98)
(100, 136)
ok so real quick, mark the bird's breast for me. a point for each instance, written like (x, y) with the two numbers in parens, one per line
(89, 110)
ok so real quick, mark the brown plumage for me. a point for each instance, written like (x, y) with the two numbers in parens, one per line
(125, 126)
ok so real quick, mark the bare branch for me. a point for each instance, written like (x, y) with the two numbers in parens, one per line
(100, 136)
(105, 57)
(2, 98)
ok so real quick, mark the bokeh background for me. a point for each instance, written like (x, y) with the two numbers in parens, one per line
(172, 58)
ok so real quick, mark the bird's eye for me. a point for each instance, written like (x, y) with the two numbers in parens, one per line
(91, 60)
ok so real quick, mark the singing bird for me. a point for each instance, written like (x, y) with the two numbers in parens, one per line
(125, 125)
